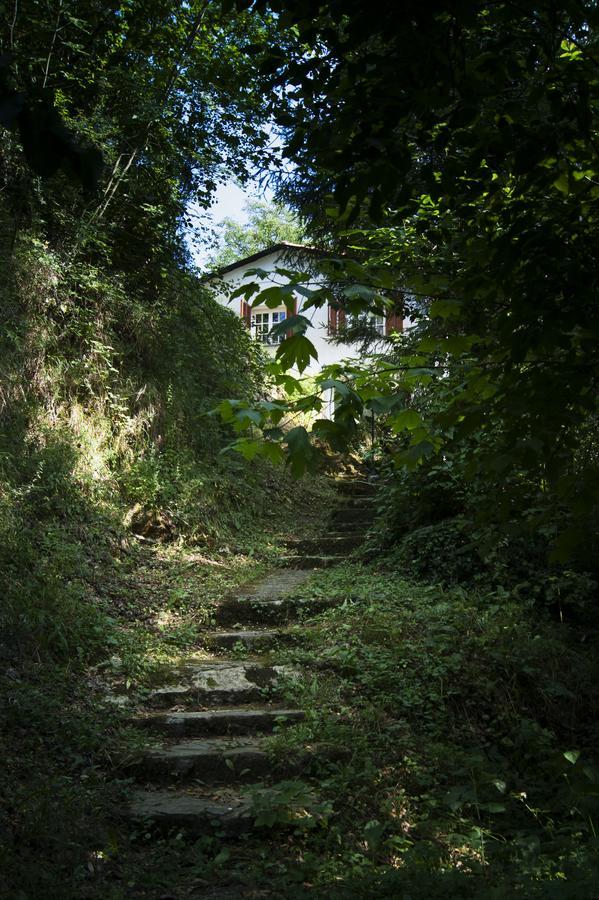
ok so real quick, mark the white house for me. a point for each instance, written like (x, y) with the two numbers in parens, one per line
(326, 322)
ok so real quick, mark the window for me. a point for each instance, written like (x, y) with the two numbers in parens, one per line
(372, 321)
(378, 323)
(262, 323)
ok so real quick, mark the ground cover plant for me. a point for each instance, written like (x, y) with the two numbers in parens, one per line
(127, 615)
(469, 726)
(445, 156)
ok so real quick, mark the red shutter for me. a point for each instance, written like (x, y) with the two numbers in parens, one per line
(246, 313)
(341, 319)
(332, 320)
(293, 313)
(393, 322)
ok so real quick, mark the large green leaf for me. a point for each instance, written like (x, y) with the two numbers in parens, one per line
(297, 351)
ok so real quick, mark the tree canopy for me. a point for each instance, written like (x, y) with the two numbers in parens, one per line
(445, 155)
(455, 145)
(267, 223)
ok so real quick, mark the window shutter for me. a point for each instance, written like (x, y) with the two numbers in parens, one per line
(293, 313)
(393, 323)
(394, 320)
(246, 313)
(332, 320)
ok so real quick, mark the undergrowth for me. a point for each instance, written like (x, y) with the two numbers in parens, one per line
(468, 724)
(121, 523)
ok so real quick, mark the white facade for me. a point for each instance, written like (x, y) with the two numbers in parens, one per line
(260, 318)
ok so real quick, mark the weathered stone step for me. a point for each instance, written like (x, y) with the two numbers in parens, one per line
(251, 640)
(345, 526)
(357, 501)
(217, 683)
(197, 815)
(331, 544)
(220, 721)
(311, 562)
(347, 514)
(225, 760)
(212, 761)
(354, 486)
(273, 587)
(241, 610)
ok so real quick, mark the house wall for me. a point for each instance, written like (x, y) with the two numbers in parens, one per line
(328, 352)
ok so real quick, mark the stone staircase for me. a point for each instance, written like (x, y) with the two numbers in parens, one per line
(209, 728)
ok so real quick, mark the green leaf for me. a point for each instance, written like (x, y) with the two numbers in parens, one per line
(277, 295)
(445, 309)
(273, 452)
(297, 351)
(294, 324)
(493, 807)
(245, 291)
(572, 756)
(562, 183)
(407, 419)
(248, 448)
(301, 454)
(360, 292)
(383, 404)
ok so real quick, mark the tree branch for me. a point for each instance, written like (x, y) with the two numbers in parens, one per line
(117, 177)
(12, 25)
(53, 43)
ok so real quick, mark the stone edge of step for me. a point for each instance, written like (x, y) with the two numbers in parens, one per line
(178, 808)
(253, 718)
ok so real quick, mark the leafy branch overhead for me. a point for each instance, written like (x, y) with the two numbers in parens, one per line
(48, 143)
(450, 153)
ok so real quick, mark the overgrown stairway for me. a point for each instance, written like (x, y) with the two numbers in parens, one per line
(212, 722)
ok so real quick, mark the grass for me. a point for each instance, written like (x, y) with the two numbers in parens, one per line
(462, 725)
(133, 608)
(469, 726)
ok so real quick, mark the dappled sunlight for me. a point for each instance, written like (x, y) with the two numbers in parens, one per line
(299, 556)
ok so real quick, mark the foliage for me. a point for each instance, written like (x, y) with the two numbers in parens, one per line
(473, 201)
(446, 521)
(56, 800)
(288, 803)
(469, 746)
(470, 200)
(267, 223)
(111, 356)
(144, 84)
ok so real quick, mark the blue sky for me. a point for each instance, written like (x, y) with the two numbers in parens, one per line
(228, 203)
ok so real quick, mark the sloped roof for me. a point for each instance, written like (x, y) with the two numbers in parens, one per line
(274, 248)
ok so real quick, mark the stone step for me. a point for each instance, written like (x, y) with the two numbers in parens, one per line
(331, 544)
(357, 501)
(311, 562)
(354, 486)
(225, 760)
(216, 683)
(351, 527)
(250, 640)
(347, 514)
(273, 587)
(249, 610)
(235, 720)
(212, 761)
(196, 814)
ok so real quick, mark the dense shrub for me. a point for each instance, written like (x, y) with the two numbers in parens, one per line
(443, 522)
(108, 432)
